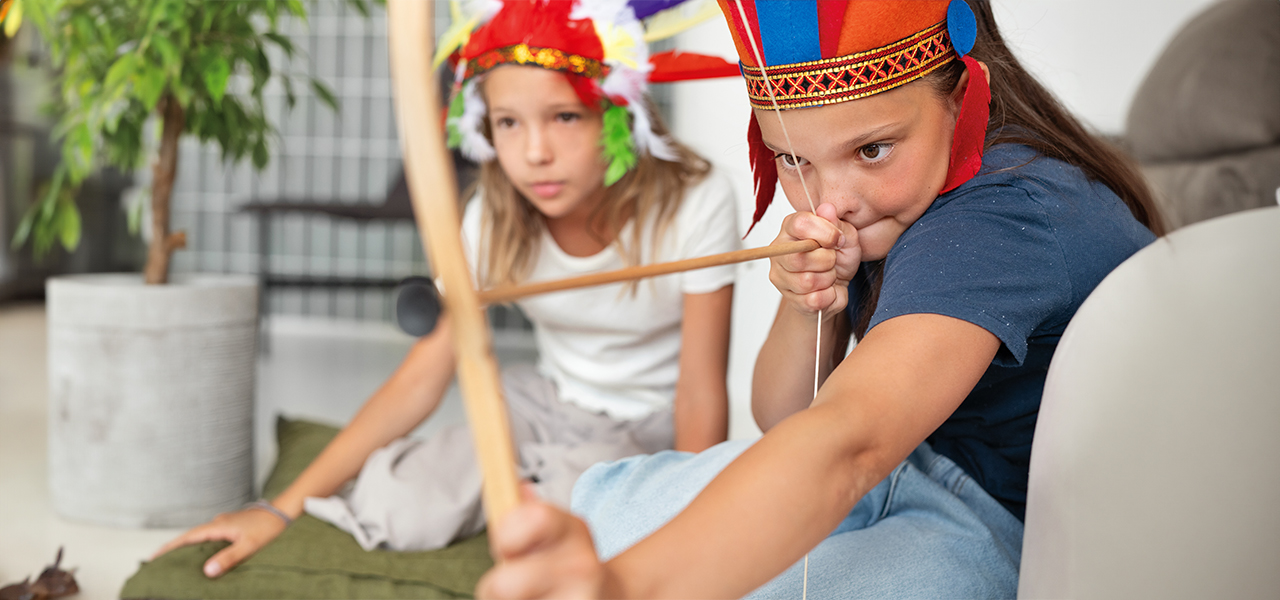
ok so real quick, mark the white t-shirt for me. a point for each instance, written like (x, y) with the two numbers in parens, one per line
(608, 350)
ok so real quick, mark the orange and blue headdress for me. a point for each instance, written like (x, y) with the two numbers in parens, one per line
(602, 48)
(818, 52)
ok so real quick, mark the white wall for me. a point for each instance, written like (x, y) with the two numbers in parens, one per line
(1091, 53)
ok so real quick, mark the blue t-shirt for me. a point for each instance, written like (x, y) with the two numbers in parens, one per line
(1015, 250)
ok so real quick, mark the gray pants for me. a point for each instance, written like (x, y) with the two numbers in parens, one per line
(423, 494)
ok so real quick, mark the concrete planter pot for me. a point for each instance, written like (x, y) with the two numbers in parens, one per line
(151, 397)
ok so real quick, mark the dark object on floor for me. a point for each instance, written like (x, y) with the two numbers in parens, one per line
(52, 583)
(417, 305)
(313, 559)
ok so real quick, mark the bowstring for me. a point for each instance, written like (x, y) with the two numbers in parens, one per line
(791, 149)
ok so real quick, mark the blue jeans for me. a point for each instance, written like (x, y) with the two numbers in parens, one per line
(926, 531)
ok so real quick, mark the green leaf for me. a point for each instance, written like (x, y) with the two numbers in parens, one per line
(170, 56)
(111, 120)
(297, 9)
(290, 99)
(259, 67)
(216, 72)
(68, 224)
(120, 70)
(149, 87)
(284, 43)
(77, 152)
(182, 93)
(260, 155)
(136, 206)
(360, 7)
(325, 94)
(24, 228)
(84, 31)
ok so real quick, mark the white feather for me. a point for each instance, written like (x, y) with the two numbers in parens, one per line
(485, 8)
(624, 82)
(611, 15)
(474, 145)
(647, 141)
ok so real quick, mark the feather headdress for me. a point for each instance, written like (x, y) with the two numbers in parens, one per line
(600, 45)
(819, 52)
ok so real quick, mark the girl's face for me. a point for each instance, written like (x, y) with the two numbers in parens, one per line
(547, 141)
(880, 161)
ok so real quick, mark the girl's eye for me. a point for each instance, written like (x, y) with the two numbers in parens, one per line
(791, 161)
(504, 122)
(875, 152)
(568, 117)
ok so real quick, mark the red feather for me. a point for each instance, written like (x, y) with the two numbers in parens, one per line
(588, 90)
(763, 169)
(672, 66)
(971, 128)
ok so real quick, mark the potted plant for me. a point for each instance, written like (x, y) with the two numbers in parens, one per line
(150, 380)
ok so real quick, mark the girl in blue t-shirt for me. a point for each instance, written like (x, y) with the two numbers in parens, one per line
(963, 216)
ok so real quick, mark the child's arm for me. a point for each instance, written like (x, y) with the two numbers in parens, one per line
(783, 380)
(782, 496)
(702, 396)
(407, 398)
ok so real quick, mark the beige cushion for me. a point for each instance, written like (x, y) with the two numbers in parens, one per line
(1216, 87)
(1192, 191)
(1153, 468)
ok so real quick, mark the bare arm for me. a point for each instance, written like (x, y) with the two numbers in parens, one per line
(793, 487)
(407, 398)
(803, 477)
(782, 383)
(702, 395)
(809, 282)
(403, 402)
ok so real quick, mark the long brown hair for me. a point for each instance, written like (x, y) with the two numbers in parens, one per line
(649, 193)
(1024, 112)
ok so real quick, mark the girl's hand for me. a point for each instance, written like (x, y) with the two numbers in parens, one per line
(543, 552)
(248, 531)
(819, 279)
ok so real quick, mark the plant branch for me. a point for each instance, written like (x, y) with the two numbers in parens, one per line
(164, 172)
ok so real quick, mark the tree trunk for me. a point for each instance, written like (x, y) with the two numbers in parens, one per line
(163, 173)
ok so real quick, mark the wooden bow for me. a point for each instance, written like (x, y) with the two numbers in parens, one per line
(433, 189)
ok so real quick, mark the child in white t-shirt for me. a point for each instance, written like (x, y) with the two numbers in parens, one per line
(577, 176)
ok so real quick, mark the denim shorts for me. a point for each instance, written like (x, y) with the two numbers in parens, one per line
(927, 531)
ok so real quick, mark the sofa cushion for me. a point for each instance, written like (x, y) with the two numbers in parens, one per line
(1192, 191)
(1216, 87)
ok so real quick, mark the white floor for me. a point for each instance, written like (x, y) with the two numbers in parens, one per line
(316, 369)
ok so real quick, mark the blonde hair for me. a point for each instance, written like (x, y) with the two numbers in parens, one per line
(650, 192)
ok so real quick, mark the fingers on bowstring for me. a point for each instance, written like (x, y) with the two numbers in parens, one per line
(814, 261)
(808, 226)
(811, 289)
(821, 299)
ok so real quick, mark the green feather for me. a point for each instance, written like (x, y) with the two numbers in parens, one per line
(456, 108)
(619, 147)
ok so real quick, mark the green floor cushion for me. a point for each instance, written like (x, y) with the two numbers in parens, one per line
(313, 559)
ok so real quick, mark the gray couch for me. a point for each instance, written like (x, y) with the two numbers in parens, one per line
(1205, 123)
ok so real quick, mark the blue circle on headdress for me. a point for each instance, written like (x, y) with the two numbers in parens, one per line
(962, 26)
